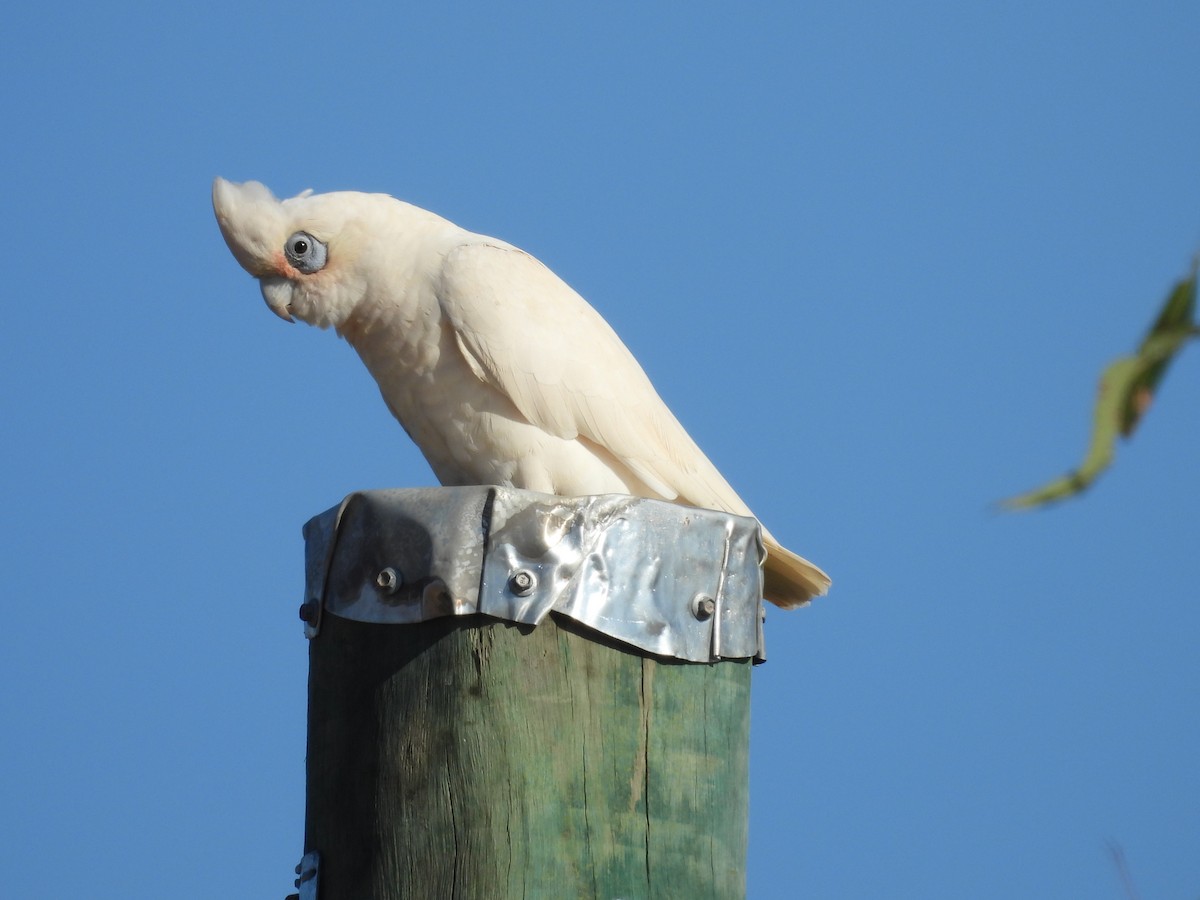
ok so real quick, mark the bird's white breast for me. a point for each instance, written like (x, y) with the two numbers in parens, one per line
(469, 432)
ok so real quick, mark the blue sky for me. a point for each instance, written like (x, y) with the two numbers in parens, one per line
(874, 258)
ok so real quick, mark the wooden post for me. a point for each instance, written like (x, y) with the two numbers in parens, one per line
(466, 757)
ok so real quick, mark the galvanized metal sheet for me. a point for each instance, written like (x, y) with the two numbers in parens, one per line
(672, 580)
(309, 876)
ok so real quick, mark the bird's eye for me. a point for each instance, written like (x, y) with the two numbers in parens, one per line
(305, 252)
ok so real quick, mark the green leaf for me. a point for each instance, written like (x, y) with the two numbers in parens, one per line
(1176, 314)
(1110, 400)
(1127, 387)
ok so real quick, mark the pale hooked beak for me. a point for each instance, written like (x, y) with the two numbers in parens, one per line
(278, 294)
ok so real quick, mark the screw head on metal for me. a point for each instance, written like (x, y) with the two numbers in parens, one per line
(522, 582)
(703, 606)
(389, 580)
(309, 610)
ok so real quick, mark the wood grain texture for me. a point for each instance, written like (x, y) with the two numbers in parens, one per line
(470, 758)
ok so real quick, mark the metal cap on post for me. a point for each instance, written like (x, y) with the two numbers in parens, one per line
(487, 749)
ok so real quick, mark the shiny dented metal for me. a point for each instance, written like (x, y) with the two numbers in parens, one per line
(672, 580)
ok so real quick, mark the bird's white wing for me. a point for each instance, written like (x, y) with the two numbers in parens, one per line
(526, 333)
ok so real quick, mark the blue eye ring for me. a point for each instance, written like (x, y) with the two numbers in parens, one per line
(305, 252)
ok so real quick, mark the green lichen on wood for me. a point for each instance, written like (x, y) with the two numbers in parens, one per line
(479, 759)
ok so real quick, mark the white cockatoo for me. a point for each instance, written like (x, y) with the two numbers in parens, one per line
(498, 370)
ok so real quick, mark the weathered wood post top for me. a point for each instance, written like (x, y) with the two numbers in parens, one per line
(464, 743)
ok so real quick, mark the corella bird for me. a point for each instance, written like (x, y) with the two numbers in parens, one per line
(498, 370)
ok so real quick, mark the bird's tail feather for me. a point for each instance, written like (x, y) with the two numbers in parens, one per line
(790, 580)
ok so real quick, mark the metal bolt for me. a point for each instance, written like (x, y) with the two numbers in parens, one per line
(309, 611)
(389, 580)
(522, 582)
(703, 606)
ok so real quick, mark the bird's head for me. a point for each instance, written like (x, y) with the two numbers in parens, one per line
(304, 251)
